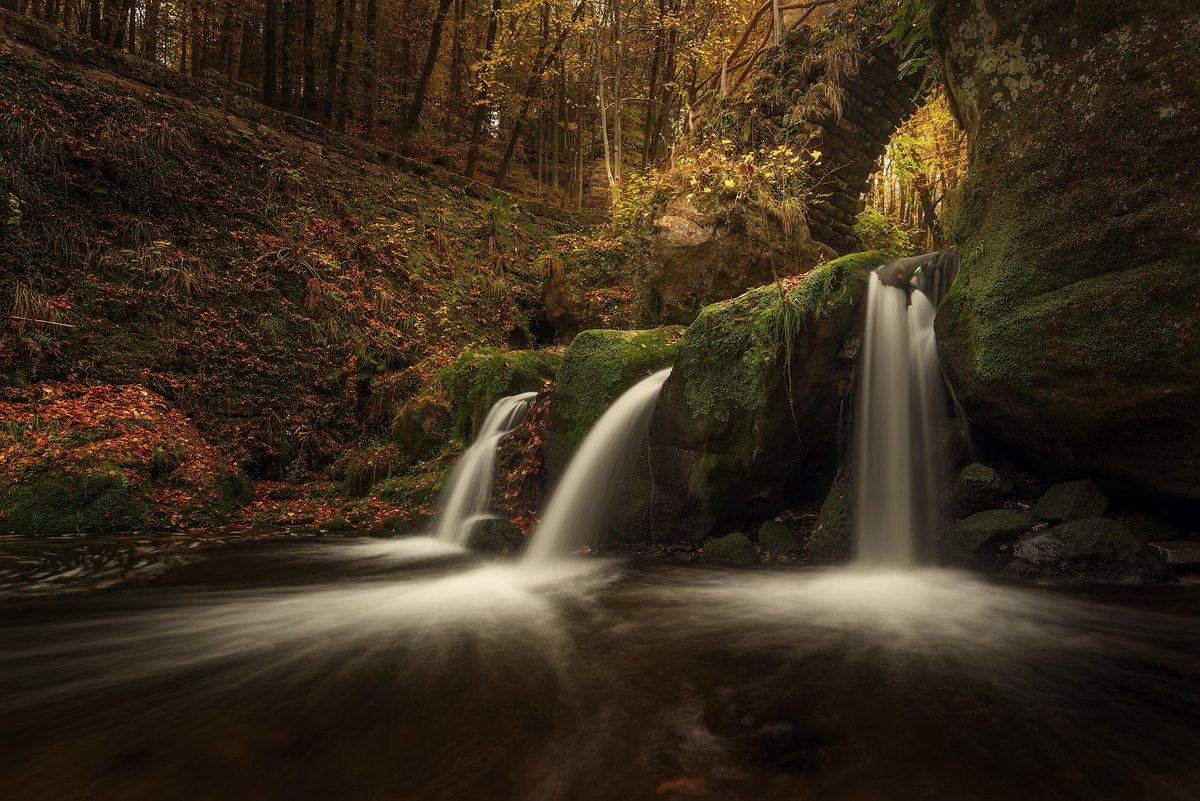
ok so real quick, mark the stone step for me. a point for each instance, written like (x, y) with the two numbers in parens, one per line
(1177, 553)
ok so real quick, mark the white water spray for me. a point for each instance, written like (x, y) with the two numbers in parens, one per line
(899, 410)
(465, 499)
(586, 490)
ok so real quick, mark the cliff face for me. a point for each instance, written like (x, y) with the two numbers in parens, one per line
(1073, 332)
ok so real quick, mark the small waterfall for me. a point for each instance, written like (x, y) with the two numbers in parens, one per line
(900, 407)
(586, 490)
(465, 499)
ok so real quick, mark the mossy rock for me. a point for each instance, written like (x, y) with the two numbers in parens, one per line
(776, 538)
(1071, 500)
(422, 426)
(64, 503)
(598, 366)
(1092, 549)
(1072, 335)
(975, 535)
(977, 488)
(477, 379)
(496, 534)
(732, 549)
(755, 397)
(832, 541)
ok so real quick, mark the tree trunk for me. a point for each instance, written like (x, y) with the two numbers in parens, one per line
(418, 100)
(309, 99)
(481, 102)
(542, 60)
(270, 74)
(335, 46)
(94, 22)
(235, 45)
(287, 87)
(343, 95)
(150, 30)
(370, 84)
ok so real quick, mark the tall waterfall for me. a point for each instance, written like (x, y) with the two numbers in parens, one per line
(900, 407)
(586, 490)
(465, 499)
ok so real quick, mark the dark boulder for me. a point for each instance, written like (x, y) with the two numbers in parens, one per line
(977, 488)
(1093, 549)
(732, 549)
(832, 541)
(978, 535)
(495, 534)
(775, 538)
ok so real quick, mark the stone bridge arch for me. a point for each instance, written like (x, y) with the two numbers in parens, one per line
(876, 101)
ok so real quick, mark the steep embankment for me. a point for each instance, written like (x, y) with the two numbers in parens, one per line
(287, 289)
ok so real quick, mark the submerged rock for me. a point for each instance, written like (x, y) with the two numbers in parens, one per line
(776, 538)
(1073, 500)
(975, 535)
(732, 549)
(977, 488)
(1093, 549)
(1072, 335)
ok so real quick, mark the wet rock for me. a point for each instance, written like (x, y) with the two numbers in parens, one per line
(1148, 528)
(381, 532)
(421, 427)
(776, 538)
(337, 524)
(832, 541)
(495, 534)
(1180, 553)
(1073, 500)
(1092, 549)
(978, 487)
(732, 549)
(978, 534)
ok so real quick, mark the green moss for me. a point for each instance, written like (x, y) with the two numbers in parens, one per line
(479, 378)
(61, 503)
(736, 353)
(601, 364)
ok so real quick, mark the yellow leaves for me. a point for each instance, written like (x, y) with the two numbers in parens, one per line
(708, 190)
(729, 183)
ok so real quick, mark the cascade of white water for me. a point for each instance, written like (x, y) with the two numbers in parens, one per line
(465, 499)
(899, 410)
(586, 490)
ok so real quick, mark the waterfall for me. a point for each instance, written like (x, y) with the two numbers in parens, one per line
(468, 493)
(900, 408)
(586, 490)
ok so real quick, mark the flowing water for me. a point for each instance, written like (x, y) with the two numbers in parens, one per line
(275, 667)
(583, 498)
(899, 409)
(466, 498)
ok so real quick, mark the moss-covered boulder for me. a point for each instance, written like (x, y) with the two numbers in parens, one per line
(598, 366)
(1071, 500)
(732, 549)
(775, 538)
(1072, 335)
(750, 415)
(701, 255)
(478, 378)
(95, 459)
(421, 427)
(975, 536)
(832, 541)
(495, 534)
(977, 487)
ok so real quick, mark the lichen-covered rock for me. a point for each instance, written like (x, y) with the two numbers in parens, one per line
(495, 534)
(1071, 500)
(732, 549)
(109, 458)
(1093, 549)
(701, 256)
(776, 538)
(1072, 335)
(976, 535)
(832, 541)
(750, 416)
(598, 366)
(479, 378)
(977, 488)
